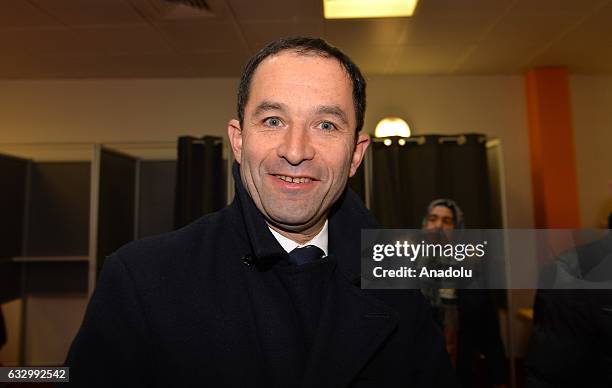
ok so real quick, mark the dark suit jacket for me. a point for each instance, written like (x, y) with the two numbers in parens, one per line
(571, 342)
(479, 334)
(195, 308)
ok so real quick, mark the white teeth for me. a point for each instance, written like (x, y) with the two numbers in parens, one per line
(294, 180)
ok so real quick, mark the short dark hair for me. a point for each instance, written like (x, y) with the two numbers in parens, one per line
(305, 46)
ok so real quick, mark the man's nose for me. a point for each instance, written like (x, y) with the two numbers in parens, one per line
(296, 146)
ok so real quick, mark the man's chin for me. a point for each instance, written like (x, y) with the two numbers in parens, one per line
(292, 223)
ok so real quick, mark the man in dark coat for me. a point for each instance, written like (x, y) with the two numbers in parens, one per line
(571, 342)
(264, 293)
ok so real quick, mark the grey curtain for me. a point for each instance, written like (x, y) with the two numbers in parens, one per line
(116, 203)
(406, 178)
(200, 178)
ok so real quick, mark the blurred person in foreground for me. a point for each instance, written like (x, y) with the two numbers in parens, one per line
(571, 341)
(262, 293)
(467, 316)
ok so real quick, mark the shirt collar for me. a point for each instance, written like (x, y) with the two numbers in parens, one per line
(320, 240)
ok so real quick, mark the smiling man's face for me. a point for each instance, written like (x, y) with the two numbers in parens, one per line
(297, 147)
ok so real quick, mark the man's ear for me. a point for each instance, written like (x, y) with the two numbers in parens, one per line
(234, 133)
(363, 141)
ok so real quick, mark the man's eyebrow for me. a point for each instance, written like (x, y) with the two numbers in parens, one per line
(334, 110)
(266, 106)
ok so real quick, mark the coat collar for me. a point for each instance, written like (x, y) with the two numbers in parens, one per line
(347, 218)
(265, 249)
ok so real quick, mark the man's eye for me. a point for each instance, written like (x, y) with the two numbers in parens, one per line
(272, 122)
(327, 126)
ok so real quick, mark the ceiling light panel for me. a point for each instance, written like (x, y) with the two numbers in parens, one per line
(351, 9)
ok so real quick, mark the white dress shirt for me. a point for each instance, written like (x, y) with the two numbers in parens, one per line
(320, 240)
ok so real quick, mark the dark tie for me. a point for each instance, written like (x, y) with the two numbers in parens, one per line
(306, 254)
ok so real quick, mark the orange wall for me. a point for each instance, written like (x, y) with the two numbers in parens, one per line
(552, 150)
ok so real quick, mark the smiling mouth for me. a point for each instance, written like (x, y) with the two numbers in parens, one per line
(294, 179)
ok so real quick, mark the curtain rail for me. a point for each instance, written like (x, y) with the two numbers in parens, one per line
(420, 140)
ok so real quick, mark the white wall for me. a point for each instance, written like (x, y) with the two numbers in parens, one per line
(161, 110)
(113, 110)
(592, 115)
(52, 325)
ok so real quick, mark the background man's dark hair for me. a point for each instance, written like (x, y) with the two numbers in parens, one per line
(305, 46)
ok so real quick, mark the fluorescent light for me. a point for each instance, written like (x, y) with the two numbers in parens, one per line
(347, 9)
(392, 126)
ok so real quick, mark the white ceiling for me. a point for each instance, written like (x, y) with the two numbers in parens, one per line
(139, 38)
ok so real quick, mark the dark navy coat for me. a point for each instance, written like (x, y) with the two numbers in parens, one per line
(196, 307)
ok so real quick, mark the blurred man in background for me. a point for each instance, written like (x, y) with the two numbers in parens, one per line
(468, 317)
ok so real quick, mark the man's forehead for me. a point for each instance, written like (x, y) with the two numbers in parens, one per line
(294, 66)
(299, 56)
(289, 75)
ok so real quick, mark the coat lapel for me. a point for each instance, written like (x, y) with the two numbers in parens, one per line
(279, 344)
(270, 307)
(352, 327)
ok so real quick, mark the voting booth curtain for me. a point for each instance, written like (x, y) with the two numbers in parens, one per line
(200, 178)
(408, 175)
